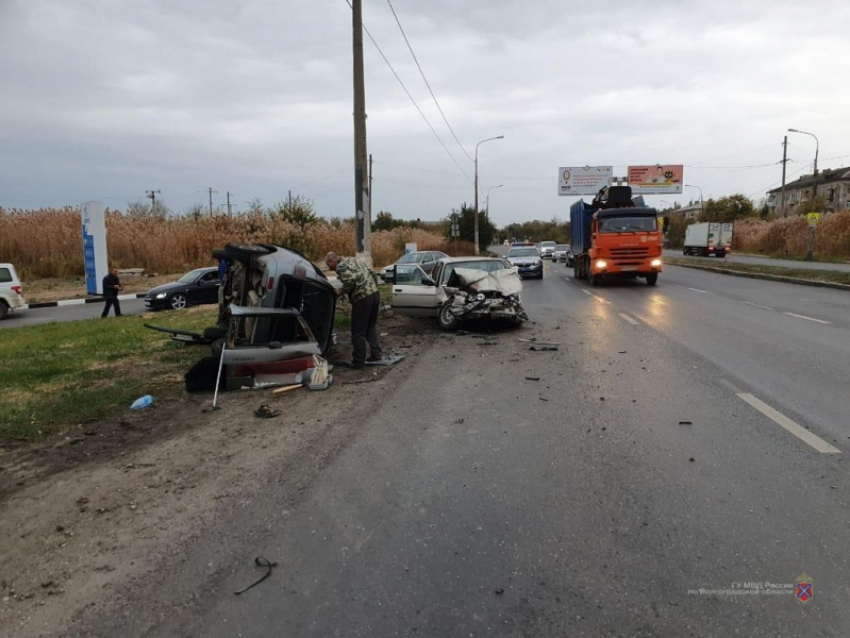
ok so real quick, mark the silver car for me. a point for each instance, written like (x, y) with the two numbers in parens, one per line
(546, 248)
(562, 253)
(527, 259)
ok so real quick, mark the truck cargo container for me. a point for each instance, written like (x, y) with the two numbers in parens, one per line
(708, 238)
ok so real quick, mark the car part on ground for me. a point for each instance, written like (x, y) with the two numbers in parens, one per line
(276, 312)
(478, 294)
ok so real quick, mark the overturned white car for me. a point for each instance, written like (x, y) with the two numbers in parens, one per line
(461, 289)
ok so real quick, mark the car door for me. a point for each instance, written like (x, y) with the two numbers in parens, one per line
(428, 262)
(413, 294)
(205, 289)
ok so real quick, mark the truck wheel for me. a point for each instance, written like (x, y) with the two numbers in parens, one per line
(446, 319)
(4, 310)
(595, 280)
(652, 278)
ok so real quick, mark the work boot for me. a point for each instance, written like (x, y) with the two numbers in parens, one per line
(375, 358)
(357, 365)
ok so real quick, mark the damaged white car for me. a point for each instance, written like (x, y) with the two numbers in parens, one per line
(461, 289)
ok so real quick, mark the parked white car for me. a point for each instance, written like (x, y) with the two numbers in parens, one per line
(11, 292)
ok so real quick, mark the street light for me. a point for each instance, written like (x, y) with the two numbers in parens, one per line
(487, 201)
(817, 149)
(489, 139)
(701, 203)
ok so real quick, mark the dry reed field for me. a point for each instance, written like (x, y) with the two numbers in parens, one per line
(788, 236)
(47, 243)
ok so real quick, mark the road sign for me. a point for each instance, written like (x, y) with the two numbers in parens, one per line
(814, 219)
(94, 246)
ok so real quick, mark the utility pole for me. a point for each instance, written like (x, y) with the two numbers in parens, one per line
(363, 222)
(211, 191)
(784, 163)
(370, 189)
(229, 211)
(151, 195)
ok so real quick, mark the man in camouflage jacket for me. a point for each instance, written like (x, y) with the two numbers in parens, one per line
(358, 283)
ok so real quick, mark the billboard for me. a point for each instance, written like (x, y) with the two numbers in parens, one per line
(657, 179)
(94, 246)
(583, 180)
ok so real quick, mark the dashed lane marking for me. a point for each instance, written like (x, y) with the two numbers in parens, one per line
(791, 314)
(757, 305)
(698, 290)
(783, 421)
(629, 319)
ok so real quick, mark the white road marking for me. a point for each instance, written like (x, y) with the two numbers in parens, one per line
(629, 319)
(698, 290)
(602, 299)
(659, 301)
(757, 305)
(791, 314)
(780, 419)
(586, 291)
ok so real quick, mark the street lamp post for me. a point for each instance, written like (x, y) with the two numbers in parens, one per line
(701, 202)
(487, 201)
(810, 250)
(817, 146)
(489, 139)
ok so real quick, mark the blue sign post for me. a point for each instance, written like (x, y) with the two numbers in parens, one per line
(94, 246)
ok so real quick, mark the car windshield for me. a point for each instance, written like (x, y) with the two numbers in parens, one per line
(627, 224)
(547, 244)
(562, 247)
(523, 252)
(410, 258)
(191, 276)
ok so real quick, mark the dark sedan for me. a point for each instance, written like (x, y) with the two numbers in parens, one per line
(196, 287)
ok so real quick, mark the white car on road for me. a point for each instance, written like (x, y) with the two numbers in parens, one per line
(11, 293)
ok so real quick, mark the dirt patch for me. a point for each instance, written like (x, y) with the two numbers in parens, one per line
(82, 514)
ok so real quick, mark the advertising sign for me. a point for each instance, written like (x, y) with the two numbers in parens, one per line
(410, 248)
(94, 246)
(657, 179)
(586, 180)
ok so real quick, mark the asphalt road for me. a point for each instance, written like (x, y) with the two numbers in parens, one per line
(767, 261)
(661, 478)
(37, 316)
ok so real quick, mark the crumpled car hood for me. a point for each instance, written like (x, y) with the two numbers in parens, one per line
(507, 281)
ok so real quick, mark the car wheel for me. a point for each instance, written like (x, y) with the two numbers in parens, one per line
(179, 301)
(652, 278)
(4, 310)
(446, 319)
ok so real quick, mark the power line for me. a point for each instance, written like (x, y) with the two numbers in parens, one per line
(439, 139)
(428, 84)
(764, 190)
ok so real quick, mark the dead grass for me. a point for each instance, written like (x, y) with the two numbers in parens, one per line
(46, 243)
(788, 237)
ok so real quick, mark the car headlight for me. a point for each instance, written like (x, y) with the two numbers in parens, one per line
(162, 295)
(601, 263)
(655, 263)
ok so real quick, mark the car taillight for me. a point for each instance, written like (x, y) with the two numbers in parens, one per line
(17, 290)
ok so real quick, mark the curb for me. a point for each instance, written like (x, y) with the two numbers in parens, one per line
(765, 276)
(77, 302)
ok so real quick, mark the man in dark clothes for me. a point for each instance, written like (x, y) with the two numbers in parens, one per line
(111, 287)
(359, 284)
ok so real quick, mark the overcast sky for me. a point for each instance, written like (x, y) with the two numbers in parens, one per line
(103, 99)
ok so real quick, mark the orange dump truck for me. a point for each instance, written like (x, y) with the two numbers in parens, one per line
(615, 236)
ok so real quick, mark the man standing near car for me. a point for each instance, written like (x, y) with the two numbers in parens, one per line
(358, 283)
(111, 287)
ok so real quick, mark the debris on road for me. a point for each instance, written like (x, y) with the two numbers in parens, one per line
(532, 378)
(142, 402)
(265, 411)
(287, 388)
(544, 348)
(389, 361)
(539, 343)
(259, 561)
(499, 591)
(685, 423)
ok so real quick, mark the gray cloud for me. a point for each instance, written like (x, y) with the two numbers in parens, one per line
(104, 99)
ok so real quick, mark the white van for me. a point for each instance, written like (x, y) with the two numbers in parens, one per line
(11, 293)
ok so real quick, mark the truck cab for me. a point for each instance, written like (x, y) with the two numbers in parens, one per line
(615, 237)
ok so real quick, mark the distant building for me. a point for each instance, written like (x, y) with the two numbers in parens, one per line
(691, 211)
(832, 186)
